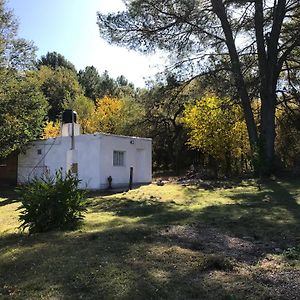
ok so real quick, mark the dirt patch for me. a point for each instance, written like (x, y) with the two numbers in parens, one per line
(200, 181)
(266, 270)
(210, 240)
(284, 284)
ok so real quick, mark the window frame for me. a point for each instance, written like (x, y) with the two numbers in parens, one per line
(118, 158)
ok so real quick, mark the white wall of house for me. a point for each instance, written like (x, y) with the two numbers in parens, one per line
(94, 155)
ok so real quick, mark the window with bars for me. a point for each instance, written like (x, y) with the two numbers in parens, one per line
(119, 158)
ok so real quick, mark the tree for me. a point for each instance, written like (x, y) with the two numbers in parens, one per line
(163, 105)
(108, 85)
(265, 34)
(22, 112)
(51, 130)
(85, 108)
(217, 129)
(22, 106)
(130, 115)
(55, 60)
(107, 115)
(90, 81)
(288, 136)
(15, 52)
(98, 86)
(57, 86)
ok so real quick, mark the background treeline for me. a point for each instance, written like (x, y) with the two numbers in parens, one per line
(197, 122)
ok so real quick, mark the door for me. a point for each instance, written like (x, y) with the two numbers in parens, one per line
(9, 170)
(139, 173)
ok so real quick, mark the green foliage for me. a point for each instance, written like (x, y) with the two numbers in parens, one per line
(15, 53)
(22, 105)
(90, 81)
(55, 60)
(85, 108)
(292, 253)
(162, 109)
(288, 136)
(130, 115)
(23, 109)
(52, 203)
(200, 37)
(57, 85)
(98, 86)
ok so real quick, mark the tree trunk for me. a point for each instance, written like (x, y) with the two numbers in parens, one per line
(228, 164)
(220, 11)
(269, 70)
(267, 135)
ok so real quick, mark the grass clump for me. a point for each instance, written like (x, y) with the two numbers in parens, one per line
(52, 203)
(217, 262)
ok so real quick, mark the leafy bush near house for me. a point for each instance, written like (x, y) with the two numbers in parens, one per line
(52, 203)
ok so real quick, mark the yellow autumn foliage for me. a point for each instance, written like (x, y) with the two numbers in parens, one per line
(106, 116)
(51, 130)
(216, 127)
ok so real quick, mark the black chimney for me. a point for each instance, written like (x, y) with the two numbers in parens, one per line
(67, 116)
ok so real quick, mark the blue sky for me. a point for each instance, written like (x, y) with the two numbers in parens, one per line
(69, 28)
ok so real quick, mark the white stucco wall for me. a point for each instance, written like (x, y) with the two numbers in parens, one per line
(94, 155)
(31, 164)
(132, 146)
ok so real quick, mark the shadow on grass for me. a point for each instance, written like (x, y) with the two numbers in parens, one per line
(151, 212)
(270, 215)
(114, 264)
(8, 196)
(135, 261)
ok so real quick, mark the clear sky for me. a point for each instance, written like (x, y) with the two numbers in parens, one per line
(69, 28)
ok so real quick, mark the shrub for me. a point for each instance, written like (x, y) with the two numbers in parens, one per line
(292, 253)
(52, 203)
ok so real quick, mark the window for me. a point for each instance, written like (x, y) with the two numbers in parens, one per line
(39, 151)
(119, 158)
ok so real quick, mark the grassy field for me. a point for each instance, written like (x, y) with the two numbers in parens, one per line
(177, 241)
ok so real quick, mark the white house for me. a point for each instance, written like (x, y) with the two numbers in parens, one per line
(93, 157)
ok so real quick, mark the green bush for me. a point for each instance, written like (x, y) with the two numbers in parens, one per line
(52, 203)
(292, 253)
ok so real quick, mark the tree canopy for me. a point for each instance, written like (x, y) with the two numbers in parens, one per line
(22, 105)
(15, 52)
(22, 112)
(257, 39)
(217, 129)
(55, 60)
(98, 86)
(90, 80)
(57, 86)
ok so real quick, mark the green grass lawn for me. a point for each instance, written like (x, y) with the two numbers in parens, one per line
(241, 241)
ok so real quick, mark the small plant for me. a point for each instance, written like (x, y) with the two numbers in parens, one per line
(217, 262)
(292, 253)
(52, 203)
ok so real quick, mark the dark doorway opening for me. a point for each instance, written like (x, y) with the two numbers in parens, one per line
(9, 170)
